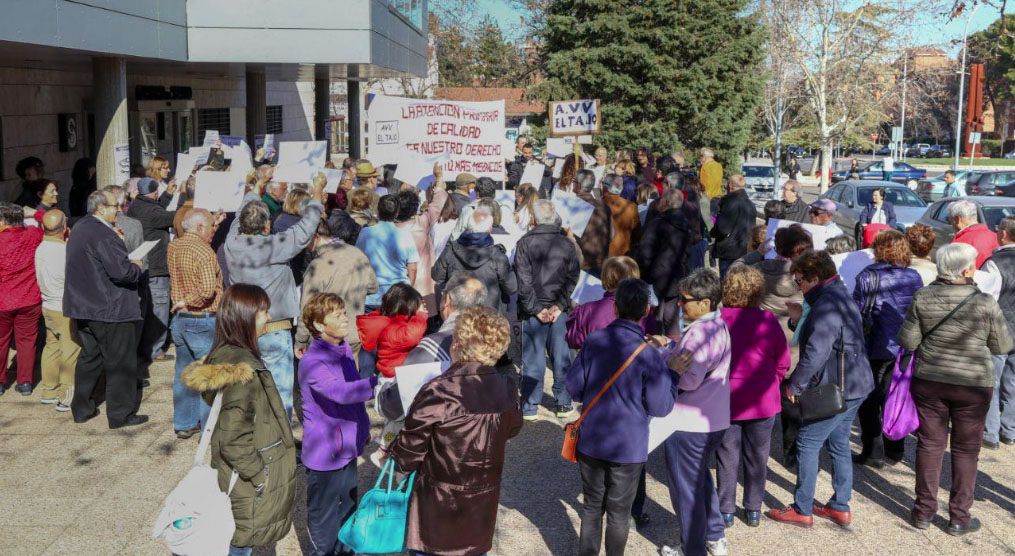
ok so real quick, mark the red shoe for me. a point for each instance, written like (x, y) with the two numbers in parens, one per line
(789, 515)
(842, 519)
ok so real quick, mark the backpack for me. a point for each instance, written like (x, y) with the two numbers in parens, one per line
(197, 517)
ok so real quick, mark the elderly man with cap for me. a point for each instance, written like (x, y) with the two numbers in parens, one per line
(150, 208)
(62, 348)
(823, 213)
(460, 195)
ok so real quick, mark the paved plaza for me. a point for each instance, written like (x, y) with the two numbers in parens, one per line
(84, 490)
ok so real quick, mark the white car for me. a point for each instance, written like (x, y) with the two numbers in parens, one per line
(761, 186)
(1010, 156)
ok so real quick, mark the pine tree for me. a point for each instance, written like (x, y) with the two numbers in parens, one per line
(669, 74)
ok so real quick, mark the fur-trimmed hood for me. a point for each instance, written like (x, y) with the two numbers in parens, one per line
(204, 377)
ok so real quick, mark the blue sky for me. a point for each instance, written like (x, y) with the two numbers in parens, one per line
(939, 34)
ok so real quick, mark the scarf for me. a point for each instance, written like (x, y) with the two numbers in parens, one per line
(473, 239)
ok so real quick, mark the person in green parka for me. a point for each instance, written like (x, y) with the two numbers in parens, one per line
(252, 439)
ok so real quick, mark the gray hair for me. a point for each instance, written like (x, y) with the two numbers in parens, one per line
(673, 197)
(194, 219)
(480, 221)
(116, 191)
(586, 180)
(839, 245)
(12, 215)
(614, 183)
(545, 213)
(792, 185)
(702, 284)
(707, 152)
(1007, 225)
(674, 180)
(464, 291)
(965, 210)
(254, 216)
(953, 258)
(95, 201)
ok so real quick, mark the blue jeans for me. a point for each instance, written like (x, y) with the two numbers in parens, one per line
(724, 267)
(698, 252)
(1001, 415)
(157, 324)
(538, 338)
(277, 354)
(240, 550)
(834, 434)
(193, 338)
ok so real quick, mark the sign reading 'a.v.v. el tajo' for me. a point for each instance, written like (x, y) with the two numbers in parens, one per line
(575, 117)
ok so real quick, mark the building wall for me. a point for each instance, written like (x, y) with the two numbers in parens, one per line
(297, 101)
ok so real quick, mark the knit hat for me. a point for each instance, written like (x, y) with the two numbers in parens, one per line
(147, 186)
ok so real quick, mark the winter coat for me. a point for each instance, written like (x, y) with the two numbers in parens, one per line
(823, 359)
(344, 271)
(959, 351)
(895, 287)
(732, 231)
(595, 242)
(156, 222)
(486, 261)
(596, 315)
(616, 429)
(711, 178)
(392, 337)
(797, 211)
(980, 237)
(758, 362)
(253, 438)
(630, 191)
(342, 226)
(101, 283)
(546, 264)
(778, 287)
(626, 224)
(335, 422)
(17, 268)
(454, 438)
(663, 252)
(868, 212)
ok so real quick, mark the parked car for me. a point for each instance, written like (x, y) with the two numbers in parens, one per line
(939, 151)
(1010, 156)
(931, 189)
(885, 150)
(985, 183)
(990, 211)
(851, 196)
(760, 180)
(1006, 190)
(901, 173)
(797, 151)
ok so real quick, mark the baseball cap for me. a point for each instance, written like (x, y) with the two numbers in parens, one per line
(147, 186)
(826, 205)
(464, 179)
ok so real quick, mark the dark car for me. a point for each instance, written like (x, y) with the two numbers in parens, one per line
(852, 196)
(990, 211)
(939, 151)
(986, 183)
(885, 150)
(1006, 190)
(901, 173)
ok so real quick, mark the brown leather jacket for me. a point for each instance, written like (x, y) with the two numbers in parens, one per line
(454, 437)
(626, 224)
(595, 242)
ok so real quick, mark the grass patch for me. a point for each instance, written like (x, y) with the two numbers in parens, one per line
(963, 162)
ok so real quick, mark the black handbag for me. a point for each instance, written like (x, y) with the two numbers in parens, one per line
(826, 400)
(870, 303)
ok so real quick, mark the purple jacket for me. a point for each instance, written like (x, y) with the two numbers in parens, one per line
(335, 423)
(597, 315)
(896, 287)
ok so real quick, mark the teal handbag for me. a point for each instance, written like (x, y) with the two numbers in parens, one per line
(378, 524)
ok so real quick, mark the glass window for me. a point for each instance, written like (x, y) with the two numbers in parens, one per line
(942, 213)
(212, 118)
(758, 171)
(898, 196)
(274, 117)
(993, 215)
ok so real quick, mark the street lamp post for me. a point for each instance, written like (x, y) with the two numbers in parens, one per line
(962, 83)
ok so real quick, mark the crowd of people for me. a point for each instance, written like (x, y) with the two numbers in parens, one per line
(671, 304)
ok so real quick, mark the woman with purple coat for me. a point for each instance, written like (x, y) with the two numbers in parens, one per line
(758, 362)
(596, 315)
(335, 423)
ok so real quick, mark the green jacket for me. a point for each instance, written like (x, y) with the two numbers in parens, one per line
(253, 437)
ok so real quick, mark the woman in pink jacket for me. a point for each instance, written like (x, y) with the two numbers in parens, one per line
(758, 364)
(419, 224)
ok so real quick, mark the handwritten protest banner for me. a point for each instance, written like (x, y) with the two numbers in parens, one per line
(575, 117)
(469, 134)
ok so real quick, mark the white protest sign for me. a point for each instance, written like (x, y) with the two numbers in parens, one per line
(121, 160)
(411, 379)
(413, 167)
(211, 136)
(334, 178)
(851, 264)
(558, 168)
(298, 161)
(142, 250)
(185, 163)
(202, 154)
(819, 234)
(219, 191)
(558, 146)
(533, 174)
(470, 134)
(575, 117)
(575, 211)
(505, 197)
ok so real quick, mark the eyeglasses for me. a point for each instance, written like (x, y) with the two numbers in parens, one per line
(817, 212)
(686, 300)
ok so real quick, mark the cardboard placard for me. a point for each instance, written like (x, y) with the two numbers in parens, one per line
(575, 117)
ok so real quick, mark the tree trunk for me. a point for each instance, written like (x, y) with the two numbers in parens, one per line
(826, 164)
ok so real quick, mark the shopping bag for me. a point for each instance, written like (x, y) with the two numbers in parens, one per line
(900, 417)
(378, 524)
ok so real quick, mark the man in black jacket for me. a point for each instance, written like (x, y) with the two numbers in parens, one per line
(475, 253)
(150, 209)
(663, 256)
(796, 209)
(101, 296)
(517, 169)
(546, 264)
(732, 230)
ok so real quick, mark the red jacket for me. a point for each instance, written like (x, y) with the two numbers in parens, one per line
(392, 337)
(980, 237)
(17, 267)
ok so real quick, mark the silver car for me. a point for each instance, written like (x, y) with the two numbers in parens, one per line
(852, 196)
(760, 179)
(990, 211)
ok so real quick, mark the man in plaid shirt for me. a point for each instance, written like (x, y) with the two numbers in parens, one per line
(195, 280)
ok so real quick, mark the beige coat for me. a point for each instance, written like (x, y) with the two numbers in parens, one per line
(419, 226)
(340, 269)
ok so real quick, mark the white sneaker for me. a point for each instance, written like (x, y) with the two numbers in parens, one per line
(718, 548)
(670, 551)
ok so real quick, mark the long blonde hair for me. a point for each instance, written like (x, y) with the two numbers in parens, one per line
(155, 168)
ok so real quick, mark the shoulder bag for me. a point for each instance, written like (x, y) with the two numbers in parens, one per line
(824, 401)
(570, 449)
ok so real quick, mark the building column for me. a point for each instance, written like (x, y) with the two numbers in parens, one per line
(109, 83)
(257, 107)
(355, 121)
(322, 109)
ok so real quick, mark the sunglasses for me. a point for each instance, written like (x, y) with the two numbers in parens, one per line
(686, 300)
(817, 212)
